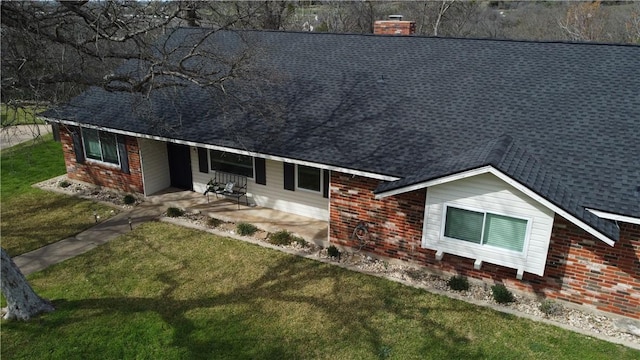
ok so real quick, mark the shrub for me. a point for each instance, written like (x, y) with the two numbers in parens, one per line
(501, 294)
(174, 212)
(300, 241)
(246, 229)
(281, 237)
(550, 307)
(64, 184)
(213, 222)
(385, 352)
(458, 283)
(129, 199)
(333, 251)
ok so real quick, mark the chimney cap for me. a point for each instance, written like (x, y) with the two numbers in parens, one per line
(395, 17)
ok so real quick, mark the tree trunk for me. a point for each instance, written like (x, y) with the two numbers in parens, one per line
(22, 302)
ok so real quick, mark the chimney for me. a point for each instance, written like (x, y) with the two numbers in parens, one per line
(394, 26)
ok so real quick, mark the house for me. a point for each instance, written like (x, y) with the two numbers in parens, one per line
(505, 161)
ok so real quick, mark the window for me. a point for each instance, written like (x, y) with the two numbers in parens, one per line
(231, 163)
(309, 178)
(485, 228)
(100, 145)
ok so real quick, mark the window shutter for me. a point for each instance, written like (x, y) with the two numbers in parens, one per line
(77, 146)
(261, 171)
(55, 128)
(289, 176)
(326, 176)
(124, 155)
(203, 160)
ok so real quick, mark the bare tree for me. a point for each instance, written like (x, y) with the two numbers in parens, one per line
(353, 16)
(632, 25)
(584, 21)
(51, 51)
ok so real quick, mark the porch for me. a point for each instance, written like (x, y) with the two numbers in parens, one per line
(271, 220)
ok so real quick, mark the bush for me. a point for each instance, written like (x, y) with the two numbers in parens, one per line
(333, 251)
(458, 283)
(501, 294)
(64, 184)
(550, 307)
(129, 199)
(300, 241)
(174, 212)
(246, 229)
(281, 237)
(213, 222)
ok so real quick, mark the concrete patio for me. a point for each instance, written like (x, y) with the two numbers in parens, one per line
(228, 210)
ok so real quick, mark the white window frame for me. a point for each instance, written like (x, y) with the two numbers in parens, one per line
(310, 190)
(484, 247)
(253, 163)
(101, 161)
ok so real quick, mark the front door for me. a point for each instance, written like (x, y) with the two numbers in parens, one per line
(180, 166)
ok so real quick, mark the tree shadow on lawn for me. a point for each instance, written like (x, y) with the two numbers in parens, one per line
(42, 219)
(241, 335)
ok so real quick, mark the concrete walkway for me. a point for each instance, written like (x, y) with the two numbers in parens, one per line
(13, 135)
(103, 232)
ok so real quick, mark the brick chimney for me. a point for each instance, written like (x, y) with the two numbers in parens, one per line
(394, 26)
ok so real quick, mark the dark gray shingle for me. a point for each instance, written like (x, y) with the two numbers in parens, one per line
(417, 107)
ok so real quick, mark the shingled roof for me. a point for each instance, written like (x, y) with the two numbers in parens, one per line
(564, 118)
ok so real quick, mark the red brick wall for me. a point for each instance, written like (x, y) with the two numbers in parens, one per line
(394, 224)
(584, 270)
(394, 27)
(103, 174)
(580, 268)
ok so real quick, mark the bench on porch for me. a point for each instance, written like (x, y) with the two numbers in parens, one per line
(230, 185)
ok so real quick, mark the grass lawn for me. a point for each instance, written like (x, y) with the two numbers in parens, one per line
(30, 217)
(11, 116)
(166, 292)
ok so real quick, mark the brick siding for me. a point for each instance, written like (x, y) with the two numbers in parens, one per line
(102, 174)
(580, 268)
(394, 27)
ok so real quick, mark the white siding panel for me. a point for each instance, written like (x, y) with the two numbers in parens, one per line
(273, 195)
(486, 192)
(155, 165)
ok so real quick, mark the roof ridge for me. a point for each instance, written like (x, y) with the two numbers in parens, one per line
(566, 42)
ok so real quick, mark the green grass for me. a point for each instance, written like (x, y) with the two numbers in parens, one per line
(166, 292)
(10, 116)
(30, 217)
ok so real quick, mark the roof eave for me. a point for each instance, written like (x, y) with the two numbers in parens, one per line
(355, 172)
(502, 176)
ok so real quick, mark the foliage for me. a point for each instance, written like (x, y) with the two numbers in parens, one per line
(332, 251)
(501, 294)
(385, 352)
(146, 295)
(550, 307)
(281, 237)
(300, 241)
(214, 222)
(246, 229)
(31, 218)
(129, 199)
(458, 283)
(64, 184)
(174, 212)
